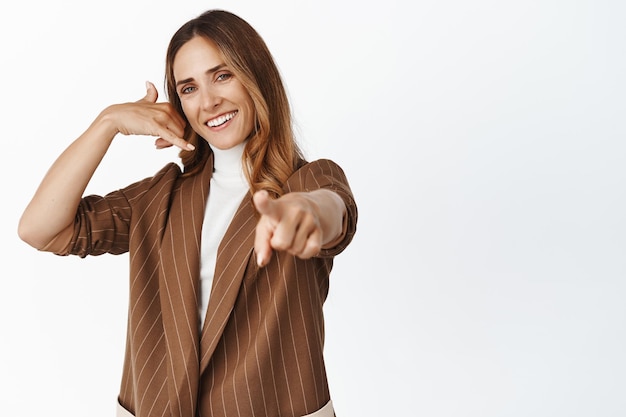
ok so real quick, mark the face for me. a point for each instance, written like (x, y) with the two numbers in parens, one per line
(215, 102)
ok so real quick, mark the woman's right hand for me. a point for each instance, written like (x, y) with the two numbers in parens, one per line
(47, 221)
(149, 118)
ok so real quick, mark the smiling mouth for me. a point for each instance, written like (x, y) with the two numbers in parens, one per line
(218, 121)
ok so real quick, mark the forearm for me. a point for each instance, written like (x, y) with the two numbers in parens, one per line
(50, 214)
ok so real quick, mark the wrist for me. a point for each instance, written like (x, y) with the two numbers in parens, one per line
(106, 123)
(331, 211)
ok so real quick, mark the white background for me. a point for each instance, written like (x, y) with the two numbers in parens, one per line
(485, 144)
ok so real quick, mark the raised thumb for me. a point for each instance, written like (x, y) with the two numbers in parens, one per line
(151, 93)
(264, 204)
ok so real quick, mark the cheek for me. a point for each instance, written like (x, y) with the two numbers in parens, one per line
(189, 110)
(186, 108)
(250, 112)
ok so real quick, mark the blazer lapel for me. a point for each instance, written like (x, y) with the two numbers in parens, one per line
(179, 288)
(232, 258)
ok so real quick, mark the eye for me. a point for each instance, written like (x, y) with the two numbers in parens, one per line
(187, 90)
(224, 76)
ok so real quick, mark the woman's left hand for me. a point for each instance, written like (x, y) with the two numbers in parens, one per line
(298, 223)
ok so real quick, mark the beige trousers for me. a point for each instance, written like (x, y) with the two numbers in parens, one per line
(326, 411)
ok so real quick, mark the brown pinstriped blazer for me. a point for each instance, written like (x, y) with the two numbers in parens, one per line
(260, 352)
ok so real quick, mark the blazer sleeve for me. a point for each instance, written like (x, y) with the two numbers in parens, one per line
(102, 223)
(326, 174)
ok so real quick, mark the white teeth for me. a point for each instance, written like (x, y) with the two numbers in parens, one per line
(218, 121)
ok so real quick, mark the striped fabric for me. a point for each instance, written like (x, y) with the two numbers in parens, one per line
(260, 352)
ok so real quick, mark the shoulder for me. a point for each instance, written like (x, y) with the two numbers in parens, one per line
(321, 173)
(162, 181)
(169, 172)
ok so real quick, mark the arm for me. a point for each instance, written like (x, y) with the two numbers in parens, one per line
(300, 223)
(47, 221)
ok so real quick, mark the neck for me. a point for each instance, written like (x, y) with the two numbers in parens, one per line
(228, 160)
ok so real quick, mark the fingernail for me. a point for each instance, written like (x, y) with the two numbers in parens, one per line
(259, 260)
(190, 147)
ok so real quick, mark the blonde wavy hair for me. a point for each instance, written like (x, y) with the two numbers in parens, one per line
(271, 154)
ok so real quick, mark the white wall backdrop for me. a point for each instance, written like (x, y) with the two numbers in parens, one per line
(485, 143)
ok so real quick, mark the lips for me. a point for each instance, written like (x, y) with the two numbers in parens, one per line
(220, 120)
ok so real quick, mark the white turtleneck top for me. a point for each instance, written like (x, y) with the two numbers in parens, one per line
(227, 189)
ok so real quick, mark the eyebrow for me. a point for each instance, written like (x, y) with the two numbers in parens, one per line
(209, 71)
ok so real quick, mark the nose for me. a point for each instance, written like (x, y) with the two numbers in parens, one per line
(210, 98)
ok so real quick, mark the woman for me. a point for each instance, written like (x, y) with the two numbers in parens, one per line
(230, 257)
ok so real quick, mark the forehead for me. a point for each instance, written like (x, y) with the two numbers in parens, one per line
(196, 55)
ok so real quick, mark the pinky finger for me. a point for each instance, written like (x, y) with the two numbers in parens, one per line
(313, 245)
(161, 143)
